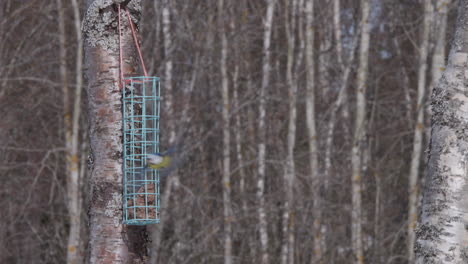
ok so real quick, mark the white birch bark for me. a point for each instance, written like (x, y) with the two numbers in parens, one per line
(64, 75)
(241, 158)
(262, 132)
(75, 254)
(168, 105)
(154, 68)
(342, 98)
(71, 122)
(406, 84)
(226, 139)
(413, 191)
(168, 66)
(377, 217)
(442, 234)
(251, 136)
(239, 153)
(325, 56)
(337, 31)
(300, 40)
(168, 96)
(440, 28)
(339, 50)
(360, 136)
(110, 241)
(317, 256)
(287, 245)
(340, 101)
(72, 247)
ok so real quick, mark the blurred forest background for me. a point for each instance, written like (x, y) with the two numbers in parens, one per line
(307, 148)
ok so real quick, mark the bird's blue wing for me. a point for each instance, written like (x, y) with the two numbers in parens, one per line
(169, 151)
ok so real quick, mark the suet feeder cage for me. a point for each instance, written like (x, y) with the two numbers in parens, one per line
(141, 112)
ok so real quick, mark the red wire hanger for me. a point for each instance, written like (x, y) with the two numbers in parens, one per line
(135, 40)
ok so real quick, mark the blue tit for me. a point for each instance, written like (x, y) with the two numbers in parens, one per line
(158, 161)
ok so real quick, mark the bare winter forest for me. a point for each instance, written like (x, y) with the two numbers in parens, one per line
(307, 131)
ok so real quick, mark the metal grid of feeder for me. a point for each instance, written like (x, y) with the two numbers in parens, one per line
(141, 112)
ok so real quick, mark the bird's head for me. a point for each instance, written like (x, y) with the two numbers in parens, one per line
(154, 158)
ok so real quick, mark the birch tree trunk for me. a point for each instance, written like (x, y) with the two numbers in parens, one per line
(340, 56)
(418, 132)
(340, 101)
(317, 256)
(168, 105)
(239, 154)
(442, 235)
(249, 156)
(75, 254)
(226, 139)
(341, 95)
(440, 30)
(360, 136)
(287, 245)
(110, 241)
(337, 31)
(406, 84)
(262, 132)
(167, 32)
(73, 239)
(64, 76)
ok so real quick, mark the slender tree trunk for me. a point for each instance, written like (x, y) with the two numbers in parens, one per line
(251, 135)
(64, 77)
(360, 136)
(317, 256)
(413, 191)
(168, 105)
(73, 247)
(442, 235)
(377, 217)
(287, 245)
(262, 132)
(337, 31)
(324, 57)
(157, 52)
(340, 101)
(71, 118)
(110, 241)
(75, 254)
(340, 58)
(167, 32)
(238, 141)
(440, 30)
(241, 159)
(406, 85)
(226, 139)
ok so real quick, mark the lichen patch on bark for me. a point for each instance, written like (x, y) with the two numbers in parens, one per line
(100, 24)
(114, 205)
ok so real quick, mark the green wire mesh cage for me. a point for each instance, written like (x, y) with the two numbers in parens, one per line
(141, 112)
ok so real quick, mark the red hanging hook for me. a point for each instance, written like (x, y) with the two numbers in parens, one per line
(136, 42)
(136, 45)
